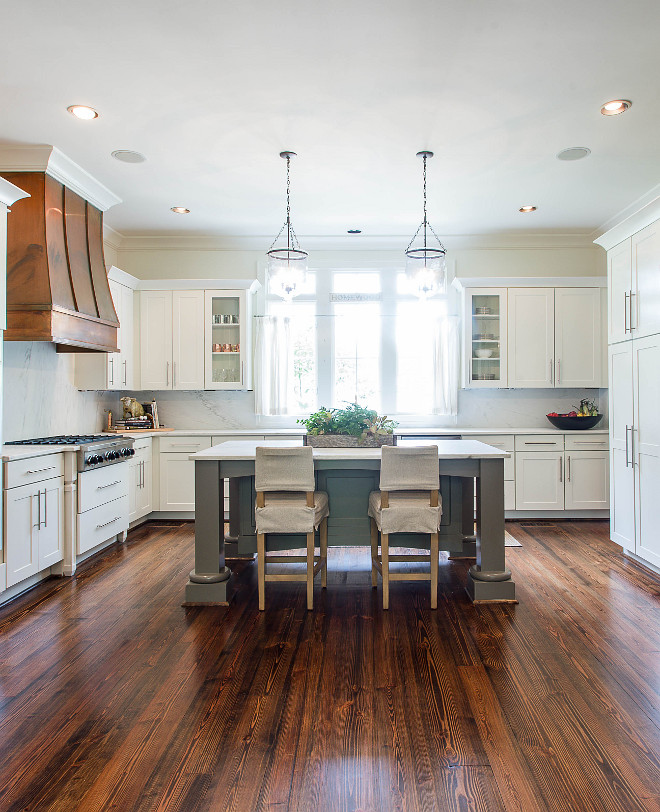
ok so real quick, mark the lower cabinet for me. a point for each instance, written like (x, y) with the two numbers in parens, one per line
(140, 479)
(177, 471)
(557, 480)
(34, 528)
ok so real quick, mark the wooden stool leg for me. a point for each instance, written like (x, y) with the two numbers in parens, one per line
(261, 569)
(310, 570)
(324, 553)
(435, 553)
(374, 553)
(385, 550)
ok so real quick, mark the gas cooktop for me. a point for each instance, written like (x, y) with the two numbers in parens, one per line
(62, 439)
(96, 450)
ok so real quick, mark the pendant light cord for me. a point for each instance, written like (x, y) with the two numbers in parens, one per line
(288, 201)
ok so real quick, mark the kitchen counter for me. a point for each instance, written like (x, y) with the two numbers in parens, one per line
(22, 452)
(400, 431)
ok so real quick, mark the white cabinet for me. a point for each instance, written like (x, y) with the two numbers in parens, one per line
(140, 474)
(531, 337)
(579, 350)
(485, 345)
(622, 471)
(172, 339)
(114, 370)
(549, 477)
(34, 528)
(177, 472)
(554, 338)
(619, 283)
(227, 354)
(645, 292)
(539, 480)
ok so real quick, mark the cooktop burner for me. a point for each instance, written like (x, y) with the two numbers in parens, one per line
(63, 439)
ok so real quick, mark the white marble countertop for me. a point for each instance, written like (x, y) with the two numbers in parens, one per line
(400, 431)
(25, 452)
(447, 450)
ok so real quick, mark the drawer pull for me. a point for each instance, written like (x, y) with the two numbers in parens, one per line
(40, 470)
(185, 445)
(109, 485)
(531, 443)
(112, 521)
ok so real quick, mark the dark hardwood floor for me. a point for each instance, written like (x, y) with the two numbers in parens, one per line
(114, 697)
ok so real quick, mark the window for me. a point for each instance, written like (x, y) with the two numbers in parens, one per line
(363, 336)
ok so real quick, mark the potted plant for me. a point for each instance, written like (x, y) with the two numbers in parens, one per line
(354, 426)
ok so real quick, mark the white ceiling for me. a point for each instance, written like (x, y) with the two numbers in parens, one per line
(212, 91)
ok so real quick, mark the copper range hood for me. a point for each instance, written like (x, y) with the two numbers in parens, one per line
(57, 284)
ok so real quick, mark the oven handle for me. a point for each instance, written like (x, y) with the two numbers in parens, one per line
(109, 485)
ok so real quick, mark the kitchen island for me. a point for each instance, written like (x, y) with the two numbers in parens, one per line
(348, 475)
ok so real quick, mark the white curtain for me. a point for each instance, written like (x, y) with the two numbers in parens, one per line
(272, 354)
(445, 367)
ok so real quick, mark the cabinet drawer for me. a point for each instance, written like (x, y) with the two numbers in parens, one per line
(142, 445)
(101, 523)
(598, 442)
(233, 438)
(185, 445)
(505, 443)
(33, 469)
(103, 485)
(539, 442)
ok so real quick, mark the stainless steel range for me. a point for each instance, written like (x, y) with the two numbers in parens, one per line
(96, 450)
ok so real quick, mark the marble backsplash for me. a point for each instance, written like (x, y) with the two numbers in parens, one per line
(40, 399)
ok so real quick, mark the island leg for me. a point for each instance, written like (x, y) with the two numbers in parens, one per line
(489, 579)
(467, 521)
(208, 582)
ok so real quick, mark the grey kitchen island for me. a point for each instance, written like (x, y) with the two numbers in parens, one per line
(348, 475)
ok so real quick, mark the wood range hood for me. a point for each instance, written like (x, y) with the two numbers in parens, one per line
(57, 284)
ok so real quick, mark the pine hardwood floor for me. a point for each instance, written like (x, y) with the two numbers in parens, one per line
(114, 697)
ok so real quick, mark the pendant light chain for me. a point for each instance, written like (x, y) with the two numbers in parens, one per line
(291, 252)
(424, 251)
(425, 220)
(288, 201)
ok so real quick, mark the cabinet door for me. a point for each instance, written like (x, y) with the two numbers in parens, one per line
(531, 337)
(113, 359)
(144, 493)
(227, 339)
(646, 446)
(188, 339)
(622, 471)
(587, 480)
(619, 280)
(51, 532)
(127, 371)
(177, 482)
(21, 534)
(578, 346)
(134, 478)
(646, 281)
(156, 339)
(485, 348)
(539, 480)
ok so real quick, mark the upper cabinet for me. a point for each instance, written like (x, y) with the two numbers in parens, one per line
(634, 286)
(227, 317)
(533, 337)
(172, 339)
(113, 370)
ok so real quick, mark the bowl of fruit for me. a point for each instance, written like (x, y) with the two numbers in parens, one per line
(586, 417)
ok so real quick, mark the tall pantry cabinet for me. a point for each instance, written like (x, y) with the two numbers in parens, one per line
(634, 388)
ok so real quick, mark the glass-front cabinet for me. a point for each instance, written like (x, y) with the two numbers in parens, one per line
(485, 332)
(227, 339)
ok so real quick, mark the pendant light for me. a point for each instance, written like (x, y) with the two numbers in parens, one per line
(287, 264)
(425, 264)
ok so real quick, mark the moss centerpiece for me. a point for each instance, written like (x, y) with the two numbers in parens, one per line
(354, 426)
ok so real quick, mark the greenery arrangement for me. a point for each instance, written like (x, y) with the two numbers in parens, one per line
(354, 420)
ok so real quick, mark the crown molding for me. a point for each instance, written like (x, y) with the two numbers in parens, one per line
(111, 237)
(49, 159)
(358, 242)
(9, 193)
(633, 218)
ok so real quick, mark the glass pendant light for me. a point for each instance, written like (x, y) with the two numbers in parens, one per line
(287, 264)
(425, 264)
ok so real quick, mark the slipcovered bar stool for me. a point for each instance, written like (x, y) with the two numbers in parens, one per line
(288, 503)
(408, 502)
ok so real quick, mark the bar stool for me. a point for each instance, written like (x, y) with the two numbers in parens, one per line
(408, 502)
(288, 503)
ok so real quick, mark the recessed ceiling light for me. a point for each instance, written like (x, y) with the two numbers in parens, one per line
(526, 209)
(573, 153)
(128, 156)
(613, 108)
(355, 231)
(82, 111)
(180, 210)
